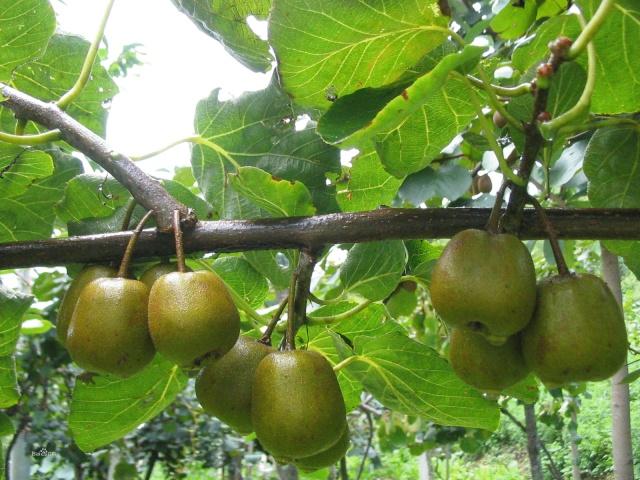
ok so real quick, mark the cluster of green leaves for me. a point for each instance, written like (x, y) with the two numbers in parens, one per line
(386, 77)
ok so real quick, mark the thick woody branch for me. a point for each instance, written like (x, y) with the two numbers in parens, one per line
(147, 191)
(314, 232)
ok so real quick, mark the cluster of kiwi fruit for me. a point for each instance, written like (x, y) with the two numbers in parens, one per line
(112, 324)
(566, 328)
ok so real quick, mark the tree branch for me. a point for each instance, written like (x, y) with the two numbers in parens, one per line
(314, 232)
(147, 191)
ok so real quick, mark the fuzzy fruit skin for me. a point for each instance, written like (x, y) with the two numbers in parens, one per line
(224, 385)
(68, 304)
(154, 272)
(192, 315)
(485, 282)
(297, 407)
(577, 332)
(108, 332)
(326, 458)
(485, 366)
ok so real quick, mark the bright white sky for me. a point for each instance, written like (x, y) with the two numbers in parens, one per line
(157, 101)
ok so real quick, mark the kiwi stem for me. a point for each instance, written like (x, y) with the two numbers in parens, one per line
(299, 294)
(177, 232)
(128, 253)
(563, 269)
(131, 206)
(266, 336)
(493, 222)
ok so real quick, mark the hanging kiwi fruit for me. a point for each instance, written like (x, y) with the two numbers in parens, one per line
(108, 331)
(191, 314)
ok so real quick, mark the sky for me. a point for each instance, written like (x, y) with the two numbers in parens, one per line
(182, 65)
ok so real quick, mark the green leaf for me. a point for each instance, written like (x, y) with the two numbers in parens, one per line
(422, 258)
(527, 390)
(13, 306)
(629, 251)
(276, 266)
(631, 377)
(188, 198)
(277, 196)
(368, 112)
(21, 166)
(6, 425)
(373, 270)
(52, 75)
(25, 28)
(368, 185)
(106, 408)
(239, 275)
(35, 326)
(514, 19)
(449, 181)
(333, 48)
(612, 165)
(226, 21)
(91, 195)
(411, 378)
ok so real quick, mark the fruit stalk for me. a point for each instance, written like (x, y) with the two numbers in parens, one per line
(128, 253)
(266, 336)
(177, 232)
(563, 269)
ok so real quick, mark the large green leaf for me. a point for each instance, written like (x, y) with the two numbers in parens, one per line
(25, 28)
(52, 75)
(106, 408)
(373, 270)
(409, 377)
(226, 21)
(91, 195)
(332, 48)
(239, 275)
(612, 164)
(257, 129)
(515, 18)
(363, 115)
(450, 181)
(277, 196)
(368, 185)
(19, 167)
(13, 306)
(30, 216)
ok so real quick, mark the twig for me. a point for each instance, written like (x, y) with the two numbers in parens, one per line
(369, 441)
(301, 282)
(128, 253)
(148, 192)
(313, 232)
(266, 336)
(177, 234)
(553, 237)
(126, 220)
(493, 222)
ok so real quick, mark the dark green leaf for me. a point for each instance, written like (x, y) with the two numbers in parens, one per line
(238, 274)
(450, 181)
(514, 19)
(19, 167)
(106, 408)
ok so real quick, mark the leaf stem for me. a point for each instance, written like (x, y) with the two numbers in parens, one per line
(496, 103)
(590, 30)
(87, 66)
(599, 123)
(339, 316)
(189, 139)
(126, 220)
(517, 91)
(494, 218)
(128, 253)
(37, 139)
(491, 138)
(584, 102)
(347, 361)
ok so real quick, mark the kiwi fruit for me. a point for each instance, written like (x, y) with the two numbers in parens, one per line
(297, 408)
(577, 332)
(487, 367)
(485, 282)
(192, 317)
(327, 457)
(224, 385)
(108, 331)
(68, 304)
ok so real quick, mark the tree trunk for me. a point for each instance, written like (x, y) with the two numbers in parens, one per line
(19, 461)
(575, 453)
(287, 472)
(533, 448)
(620, 406)
(424, 466)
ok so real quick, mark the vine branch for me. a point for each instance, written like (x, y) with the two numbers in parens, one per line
(298, 299)
(317, 231)
(147, 191)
